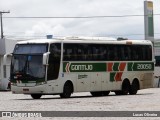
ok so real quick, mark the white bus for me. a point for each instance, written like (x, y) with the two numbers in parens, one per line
(64, 66)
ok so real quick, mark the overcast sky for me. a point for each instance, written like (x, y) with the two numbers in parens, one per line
(130, 27)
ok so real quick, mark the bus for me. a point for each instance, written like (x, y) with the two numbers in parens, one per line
(63, 66)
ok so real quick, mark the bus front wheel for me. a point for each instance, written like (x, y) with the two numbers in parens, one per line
(67, 90)
(36, 96)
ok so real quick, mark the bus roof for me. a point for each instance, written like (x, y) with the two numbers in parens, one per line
(96, 40)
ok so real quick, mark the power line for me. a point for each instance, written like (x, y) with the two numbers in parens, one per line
(68, 17)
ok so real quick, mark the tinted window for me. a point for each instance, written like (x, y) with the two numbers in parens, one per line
(106, 52)
(54, 61)
(30, 48)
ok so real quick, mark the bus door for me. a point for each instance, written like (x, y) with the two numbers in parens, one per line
(54, 65)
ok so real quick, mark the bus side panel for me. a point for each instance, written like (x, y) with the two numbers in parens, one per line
(146, 80)
(83, 81)
(109, 83)
(96, 81)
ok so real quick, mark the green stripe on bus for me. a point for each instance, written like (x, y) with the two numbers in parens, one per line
(116, 67)
(112, 76)
(130, 64)
(102, 67)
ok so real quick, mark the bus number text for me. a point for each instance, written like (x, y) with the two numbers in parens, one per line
(144, 66)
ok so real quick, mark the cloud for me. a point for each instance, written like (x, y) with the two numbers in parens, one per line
(86, 27)
(42, 28)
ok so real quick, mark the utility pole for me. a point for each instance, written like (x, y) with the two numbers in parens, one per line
(1, 12)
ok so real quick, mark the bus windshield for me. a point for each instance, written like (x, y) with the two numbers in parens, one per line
(27, 63)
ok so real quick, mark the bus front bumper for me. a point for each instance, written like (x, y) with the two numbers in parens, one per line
(40, 89)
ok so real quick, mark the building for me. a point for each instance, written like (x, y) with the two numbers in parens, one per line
(6, 47)
(157, 63)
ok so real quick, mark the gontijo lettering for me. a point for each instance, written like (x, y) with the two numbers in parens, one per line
(82, 67)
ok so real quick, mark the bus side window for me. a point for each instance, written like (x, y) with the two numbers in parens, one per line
(129, 52)
(144, 53)
(85, 52)
(88, 53)
(110, 53)
(148, 52)
(122, 55)
(64, 54)
(134, 53)
(68, 53)
(139, 52)
(74, 52)
(115, 53)
(102, 53)
(81, 52)
(94, 53)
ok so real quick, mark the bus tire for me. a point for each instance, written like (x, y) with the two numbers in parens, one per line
(125, 87)
(67, 90)
(36, 96)
(134, 87)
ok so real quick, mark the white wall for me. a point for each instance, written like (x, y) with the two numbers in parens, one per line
(6, 47)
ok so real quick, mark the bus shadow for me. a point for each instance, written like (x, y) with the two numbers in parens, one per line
(52, 98)
(88, 96)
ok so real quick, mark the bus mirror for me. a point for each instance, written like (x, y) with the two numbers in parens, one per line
(45, 58)
(7, 59)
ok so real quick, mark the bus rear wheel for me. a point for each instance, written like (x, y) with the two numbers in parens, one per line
(134, 88)
(36, 96)
(125, 87)
(67, 90)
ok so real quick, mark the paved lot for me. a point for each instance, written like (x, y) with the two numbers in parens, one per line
(145, 100)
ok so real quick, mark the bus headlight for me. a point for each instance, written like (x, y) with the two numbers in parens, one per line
(15, 84)
(41, 83)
